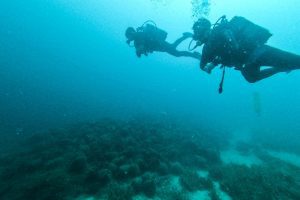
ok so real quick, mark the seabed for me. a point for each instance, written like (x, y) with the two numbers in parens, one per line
(143, 159)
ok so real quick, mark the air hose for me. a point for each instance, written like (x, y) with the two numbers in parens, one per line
(222, 81)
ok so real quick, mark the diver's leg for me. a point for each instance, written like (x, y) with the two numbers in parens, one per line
(266, 73)
(276, 59)
(252, 72)
(279, 59)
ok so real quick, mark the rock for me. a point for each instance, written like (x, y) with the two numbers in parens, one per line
(176, 168)
(145, 185)
(78, 165)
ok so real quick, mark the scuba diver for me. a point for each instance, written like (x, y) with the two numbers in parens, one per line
(241, 44)
(148, 38)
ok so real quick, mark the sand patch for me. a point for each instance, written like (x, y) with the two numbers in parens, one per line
(234, 157)
(290, 158)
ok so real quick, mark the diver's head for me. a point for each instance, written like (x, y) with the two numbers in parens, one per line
(130, 34)
(201, 30)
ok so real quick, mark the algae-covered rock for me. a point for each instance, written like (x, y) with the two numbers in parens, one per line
(176, 168)
(101, 177)
(145, 184)
(191, 181)
(258, 182)
(78, 165)
(126, 171)
(119, 192)
(117, 159)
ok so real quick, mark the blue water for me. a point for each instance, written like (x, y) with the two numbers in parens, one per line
(68, 61)
(63, 62)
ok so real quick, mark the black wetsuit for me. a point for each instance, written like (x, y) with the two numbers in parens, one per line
(148, 41)
(222, 47)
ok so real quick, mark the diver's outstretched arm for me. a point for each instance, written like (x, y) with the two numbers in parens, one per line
(176, 53)
(184, 36)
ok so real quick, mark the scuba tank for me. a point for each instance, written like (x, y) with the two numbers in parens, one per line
(152, 31)
(248, 35)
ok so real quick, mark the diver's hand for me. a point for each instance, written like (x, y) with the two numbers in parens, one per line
(139, 54)
(140, 50)
(197, 54)
(209, 67)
